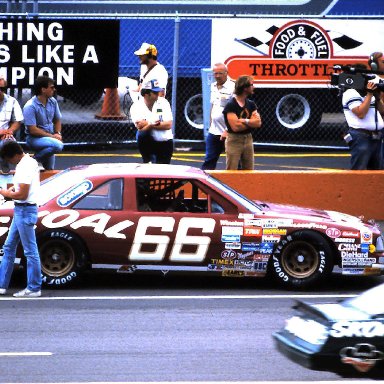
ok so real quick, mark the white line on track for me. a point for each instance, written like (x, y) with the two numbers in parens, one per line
(18, 354)
(181, 297)
(207, 382)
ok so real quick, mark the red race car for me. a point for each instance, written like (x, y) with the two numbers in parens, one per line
(145, 217)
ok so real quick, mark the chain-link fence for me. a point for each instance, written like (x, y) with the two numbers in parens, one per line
(297, 105)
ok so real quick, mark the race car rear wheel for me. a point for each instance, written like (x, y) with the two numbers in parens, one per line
(62, 258)
(301, 260)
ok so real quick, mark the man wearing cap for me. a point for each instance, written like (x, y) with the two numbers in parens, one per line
(152, 116)
(150, 68)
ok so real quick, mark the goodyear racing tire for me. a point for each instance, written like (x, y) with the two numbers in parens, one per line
(63, 258)
(301, 260)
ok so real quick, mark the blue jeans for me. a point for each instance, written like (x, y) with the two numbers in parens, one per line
(45, 149)
(365, 151)
(214, 147)
(22, 228)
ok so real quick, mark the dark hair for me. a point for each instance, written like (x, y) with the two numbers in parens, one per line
(241, 83)
(10, 149)
(145, 92)
(42, 82)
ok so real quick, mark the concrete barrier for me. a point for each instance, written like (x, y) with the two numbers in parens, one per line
(359, 193)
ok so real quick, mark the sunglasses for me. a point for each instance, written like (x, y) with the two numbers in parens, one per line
(248, 85)
(3, 89)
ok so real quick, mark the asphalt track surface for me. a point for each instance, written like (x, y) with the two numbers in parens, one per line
(264, 160)
(124, 328)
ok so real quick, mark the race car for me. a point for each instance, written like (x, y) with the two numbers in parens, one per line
(135, 218)
(346, 338)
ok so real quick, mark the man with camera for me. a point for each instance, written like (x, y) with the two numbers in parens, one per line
(364, 110)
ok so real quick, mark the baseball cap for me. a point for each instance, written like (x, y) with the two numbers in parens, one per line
(146, 49)
(153, 85)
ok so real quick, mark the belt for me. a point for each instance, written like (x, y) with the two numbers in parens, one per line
(368, 132)
(25, 204)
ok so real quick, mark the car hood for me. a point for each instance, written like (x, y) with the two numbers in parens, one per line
(333, 312)
(338, 312)
(312, 215)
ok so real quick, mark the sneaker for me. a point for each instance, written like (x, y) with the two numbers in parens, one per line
(27, 293)
(3, 291)
(40, 166)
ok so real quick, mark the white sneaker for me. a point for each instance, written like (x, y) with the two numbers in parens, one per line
(40, 166)
(3, 291)
(27, 293)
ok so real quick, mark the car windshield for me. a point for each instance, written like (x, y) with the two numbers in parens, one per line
(59, 183)
(248, 204)
(370, 301)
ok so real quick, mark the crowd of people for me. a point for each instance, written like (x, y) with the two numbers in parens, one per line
(234, 116)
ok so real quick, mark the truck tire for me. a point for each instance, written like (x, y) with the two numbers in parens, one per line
(301, 260)
(63, 258)
(189, 110)
(291, 114)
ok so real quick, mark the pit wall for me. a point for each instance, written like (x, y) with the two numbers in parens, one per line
(359, 193)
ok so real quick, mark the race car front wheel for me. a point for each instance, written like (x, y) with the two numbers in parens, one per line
(301, 260)
(62, 256)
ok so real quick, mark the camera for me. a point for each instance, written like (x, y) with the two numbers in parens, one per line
(354, 78)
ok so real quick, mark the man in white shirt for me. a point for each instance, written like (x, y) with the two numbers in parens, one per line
(152, 116)
(25, 193)
(150, 68)
(221, 91)
(11, 117)
(363, 112)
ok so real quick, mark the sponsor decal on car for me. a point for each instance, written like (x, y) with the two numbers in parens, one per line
(357, 329)
(266, 248)
(270, 238)
(250, 246)
(242, 256)
(228, 255)
(333, 232)
(232, 223)
(361, 356)
(355, 234)
(252, 222)
(274, 231)
(366, 237)
(276, 223)
(230, 238)
(79, 190)
(235, 245)
(344, 240)
(231, 231)
(252, 231)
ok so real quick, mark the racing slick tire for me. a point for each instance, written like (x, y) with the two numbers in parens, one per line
(63, 258)
(301, 260)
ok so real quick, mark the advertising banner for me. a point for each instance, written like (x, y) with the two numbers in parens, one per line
(80, 53)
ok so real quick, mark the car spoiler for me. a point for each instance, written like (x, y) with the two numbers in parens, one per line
(309, 309)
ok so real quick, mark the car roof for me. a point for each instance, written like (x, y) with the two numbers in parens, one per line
(138, 169)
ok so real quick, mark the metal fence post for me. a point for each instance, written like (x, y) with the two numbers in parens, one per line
(206, 74)
(176, 41)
